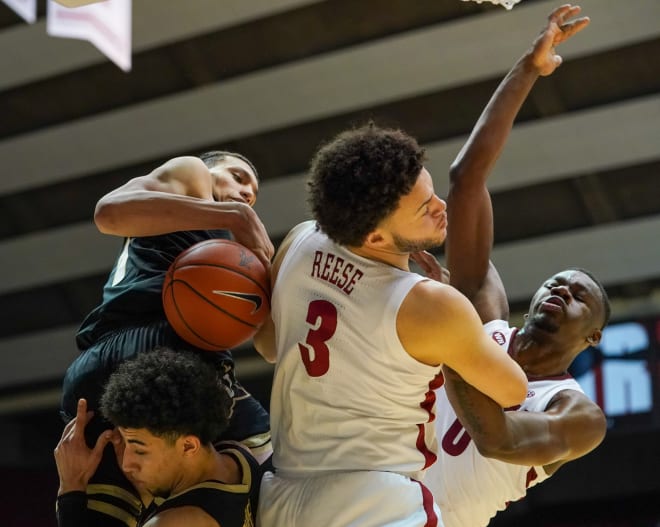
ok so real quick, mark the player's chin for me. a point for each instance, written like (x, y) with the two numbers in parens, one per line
(440, 237)
(432, 243)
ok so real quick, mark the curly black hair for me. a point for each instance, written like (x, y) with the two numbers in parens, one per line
(357, 179)
(170, 393)
(213, 157)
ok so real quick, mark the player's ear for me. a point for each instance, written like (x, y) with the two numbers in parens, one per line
(374, 239)
(189, 444)
(595, 337)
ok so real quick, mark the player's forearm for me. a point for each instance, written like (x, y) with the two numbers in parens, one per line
(149, 213)
(71, 509)
(482, 417)
(492, 130)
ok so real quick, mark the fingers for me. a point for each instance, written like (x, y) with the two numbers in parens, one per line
(67, 429)
(424, 259)
(263, 256)
(569, 29)
(431, 267)
(82, 418)
(563, 12)
(564, 18)
(103, 440)
(81, 409)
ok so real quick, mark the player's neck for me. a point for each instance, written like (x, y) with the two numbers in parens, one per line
(206, 465)
(383, 255)
(537, 357)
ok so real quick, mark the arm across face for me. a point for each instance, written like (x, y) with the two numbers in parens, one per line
(569, 427)
(179, 196)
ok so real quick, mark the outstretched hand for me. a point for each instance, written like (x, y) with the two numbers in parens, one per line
(76, 462)
(561, 26)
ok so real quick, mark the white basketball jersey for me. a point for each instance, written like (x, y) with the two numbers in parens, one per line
(470, 488)
(346, 395)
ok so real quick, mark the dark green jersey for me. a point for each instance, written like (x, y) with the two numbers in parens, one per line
(132, 294)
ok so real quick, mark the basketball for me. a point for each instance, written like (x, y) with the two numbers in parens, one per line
(216, 294)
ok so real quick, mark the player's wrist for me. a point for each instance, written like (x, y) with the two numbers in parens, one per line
(529, 64)
(71, 486)
(71, 509)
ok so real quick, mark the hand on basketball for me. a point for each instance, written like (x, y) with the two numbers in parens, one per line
(560, 27)
(431, 267)
(76, 462)
(250, 232)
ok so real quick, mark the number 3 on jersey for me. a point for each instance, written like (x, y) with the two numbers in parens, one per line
(322, 317)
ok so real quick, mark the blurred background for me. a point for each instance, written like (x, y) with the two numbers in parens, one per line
(576, 186)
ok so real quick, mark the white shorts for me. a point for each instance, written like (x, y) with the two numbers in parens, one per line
(346, 499)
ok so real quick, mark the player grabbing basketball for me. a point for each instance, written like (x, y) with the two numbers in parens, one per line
(359, 341)
(168, 407)
(182, 202)
(505, 452)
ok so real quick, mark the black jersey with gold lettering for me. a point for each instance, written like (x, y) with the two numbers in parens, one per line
(229, 504)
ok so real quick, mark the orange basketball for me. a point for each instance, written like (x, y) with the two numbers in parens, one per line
(216, 294)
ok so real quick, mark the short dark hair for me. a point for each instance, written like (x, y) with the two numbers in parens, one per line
(213, 157)
(605, 299)
(170, 393)
(358, 178)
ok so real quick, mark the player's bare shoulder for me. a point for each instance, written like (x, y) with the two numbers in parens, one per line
(184, 175)
(427, 313)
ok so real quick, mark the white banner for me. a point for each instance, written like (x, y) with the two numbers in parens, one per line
(27, 9)
(105, 24)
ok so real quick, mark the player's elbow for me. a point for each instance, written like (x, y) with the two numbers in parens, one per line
(492, 447)
(264, 341)
(496, 444)
(106, 217)
(456, 170)
(514, 390)
(596, 422)
(268, 353)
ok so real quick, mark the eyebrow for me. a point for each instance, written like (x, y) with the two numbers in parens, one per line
(136, 441)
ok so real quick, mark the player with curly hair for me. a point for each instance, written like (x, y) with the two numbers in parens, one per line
(182, 202)
(168, 407)
(359, 341)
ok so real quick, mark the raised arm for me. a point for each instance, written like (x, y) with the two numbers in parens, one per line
(470, 228)
(571, 426)
(179, 196)
(76, 464)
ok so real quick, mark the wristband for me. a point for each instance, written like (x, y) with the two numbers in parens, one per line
(71, 509)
